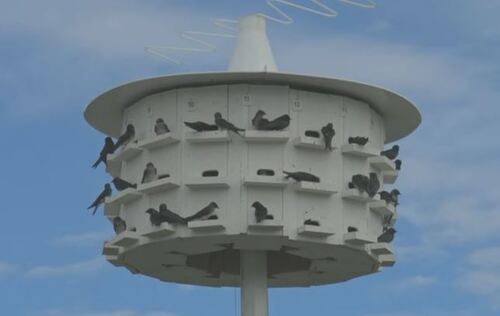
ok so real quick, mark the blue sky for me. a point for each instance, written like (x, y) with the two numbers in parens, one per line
(57, 55)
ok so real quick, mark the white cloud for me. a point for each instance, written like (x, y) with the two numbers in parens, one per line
(81, 240)
(73, 269)
(482, 275)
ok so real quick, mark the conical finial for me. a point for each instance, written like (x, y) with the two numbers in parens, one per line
(252, 51)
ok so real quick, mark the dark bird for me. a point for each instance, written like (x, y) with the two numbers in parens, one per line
(360, 182)
(301, 176)
(201, 126)
(386, 221)
(171, 217)
(386, 196)
(121, 184)
(260, 211)
(373, 185)
(352, 229)
(213, 217)
(391, 153)
(223, 124)
(119, 225)
(108, 148)
(358, 140)
(204, 212)
(328, 133)
(398, 163)
(278, 124)
(311, 222)
(149, 173)
(395, 196)
(154, 217)
(126, 137)
(161, 127)
(100, 199)
(258, 120)
(387, 235)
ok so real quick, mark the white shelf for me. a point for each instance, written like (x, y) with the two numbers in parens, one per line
(113, 203)
(265, 181)
(355, 195)
(109, 250)
(313, 187)
(161, 231)
(359, 151)
(382, 207)
(381, 249)
(113, 167)
(358, 238)
(267, 225)
(389, 177)
(208, 137)
(207, 183)
(382, 163)
(158, 141)
(387, 260)
(157, 186)
(207, 225)
(130, 151)
(126, 239)
(310, 143)
(314, 231)
(266, 136)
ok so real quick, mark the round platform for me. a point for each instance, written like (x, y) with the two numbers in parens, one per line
(400, 116)
(215, 260)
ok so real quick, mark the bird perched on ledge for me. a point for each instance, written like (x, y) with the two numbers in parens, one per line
(226, 125)
(200, 126)
(328, 133)
(391, 153)
(171, 217)
(358, 140)
(161, 127)
(108, 148)
(301, 176)
(121, 184)
(101, 198)
(126, 137)
(204, 213)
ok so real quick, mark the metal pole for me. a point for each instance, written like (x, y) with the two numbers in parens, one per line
(253, 266)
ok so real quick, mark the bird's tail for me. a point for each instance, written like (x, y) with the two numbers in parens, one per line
(95, 209)
(269, 216)
(98, 161)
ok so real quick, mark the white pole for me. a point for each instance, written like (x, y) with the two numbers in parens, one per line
(253, 266)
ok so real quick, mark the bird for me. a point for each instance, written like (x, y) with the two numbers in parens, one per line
(204, 212)
(387, 235)
(108, 148)
(301, 176)
(201, 126)
(126, 137)
(155, 217)
(161, 127)
(386, 196)
(391, 153)
(149, 173)
(100, 199)
(395, 196)
(352, 229)
(398, 163)
(328, 133)
(360, 182)
(258, 120)
(171, 217)
(358, 140)
(121, 184)
(119, 225)
(278, 124)
(260, 211)
(311, 222)
(373, 185)
(223, 124)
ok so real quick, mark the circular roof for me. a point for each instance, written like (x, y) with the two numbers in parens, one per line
(400, 116)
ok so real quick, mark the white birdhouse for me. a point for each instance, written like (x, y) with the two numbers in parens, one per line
(316, 232)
